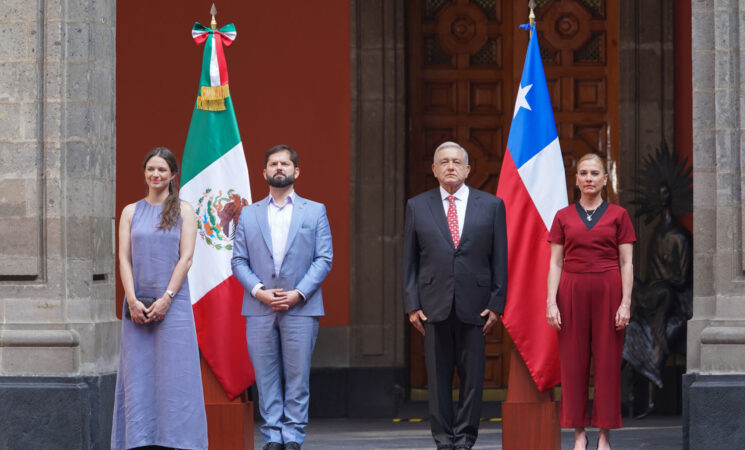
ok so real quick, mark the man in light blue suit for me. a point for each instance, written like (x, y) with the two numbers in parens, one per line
(281, 254)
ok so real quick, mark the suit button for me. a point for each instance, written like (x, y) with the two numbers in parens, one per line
(274, 276)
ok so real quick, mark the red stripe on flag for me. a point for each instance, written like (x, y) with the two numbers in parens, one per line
(221, 59)
(221, 332)
(528, 260)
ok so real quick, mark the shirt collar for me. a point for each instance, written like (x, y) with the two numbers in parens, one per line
(460, 194)
(290, 200)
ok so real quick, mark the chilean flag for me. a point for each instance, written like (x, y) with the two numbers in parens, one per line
(533, 187)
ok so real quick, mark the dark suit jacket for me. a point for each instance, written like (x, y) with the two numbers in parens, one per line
(436, 274)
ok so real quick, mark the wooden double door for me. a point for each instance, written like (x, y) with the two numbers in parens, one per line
(465, 63)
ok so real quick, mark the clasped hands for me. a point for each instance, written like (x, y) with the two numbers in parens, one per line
(155, 313)
(417, 318)
(278, 299)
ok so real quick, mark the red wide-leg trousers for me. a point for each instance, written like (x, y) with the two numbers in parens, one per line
(588, 303)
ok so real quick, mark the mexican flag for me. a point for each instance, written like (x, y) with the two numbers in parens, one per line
(214, 179)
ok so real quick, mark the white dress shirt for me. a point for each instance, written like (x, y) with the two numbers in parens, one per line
(279, 226)
(279, 218)
(461, 202)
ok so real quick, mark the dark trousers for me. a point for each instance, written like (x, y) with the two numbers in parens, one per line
(448, 344)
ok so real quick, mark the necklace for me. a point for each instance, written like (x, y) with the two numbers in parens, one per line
(591, 212)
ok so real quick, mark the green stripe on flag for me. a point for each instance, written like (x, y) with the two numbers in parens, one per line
(204, 80)
(211, 135)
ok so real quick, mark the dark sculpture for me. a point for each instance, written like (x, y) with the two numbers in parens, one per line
(663, 300)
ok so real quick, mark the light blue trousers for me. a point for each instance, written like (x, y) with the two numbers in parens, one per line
(280, 347)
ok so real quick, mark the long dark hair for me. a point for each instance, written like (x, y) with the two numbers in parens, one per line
(171, 207)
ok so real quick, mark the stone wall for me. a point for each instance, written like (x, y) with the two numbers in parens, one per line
(714, 386)
(58, 331)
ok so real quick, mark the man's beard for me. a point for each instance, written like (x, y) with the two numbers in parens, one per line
(281, 182)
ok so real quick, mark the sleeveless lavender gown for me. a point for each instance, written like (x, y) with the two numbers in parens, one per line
(159, 399)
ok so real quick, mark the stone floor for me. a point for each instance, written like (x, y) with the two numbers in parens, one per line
(410, 432)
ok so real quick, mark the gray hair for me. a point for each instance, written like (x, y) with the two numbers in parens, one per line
(447, 145)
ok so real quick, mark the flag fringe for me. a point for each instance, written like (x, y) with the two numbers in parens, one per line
(214, 92)
(207, 104)
(212, 98)
(210, 104)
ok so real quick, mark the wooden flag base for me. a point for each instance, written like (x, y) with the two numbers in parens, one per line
(230, 423)
(530, 418)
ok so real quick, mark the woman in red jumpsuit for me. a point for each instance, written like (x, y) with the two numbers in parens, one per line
(589, 298)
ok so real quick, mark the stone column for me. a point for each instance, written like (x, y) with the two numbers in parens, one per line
(646, 120)
(646, 99)
(360, 370)
(59, 336)
(714, 385)
(378, 182)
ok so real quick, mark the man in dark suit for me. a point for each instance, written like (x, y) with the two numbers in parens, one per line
(455, 282)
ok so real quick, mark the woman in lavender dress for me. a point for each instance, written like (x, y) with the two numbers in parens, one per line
(159, 400)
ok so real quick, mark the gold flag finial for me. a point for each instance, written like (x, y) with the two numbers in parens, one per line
(531, 16)
(213, 22)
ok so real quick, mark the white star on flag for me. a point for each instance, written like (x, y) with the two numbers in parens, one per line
(521, 101)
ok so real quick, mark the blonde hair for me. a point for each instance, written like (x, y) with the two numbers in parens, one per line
(599, 159)
(594, 156)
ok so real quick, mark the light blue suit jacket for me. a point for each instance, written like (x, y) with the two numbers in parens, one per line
(307, 260)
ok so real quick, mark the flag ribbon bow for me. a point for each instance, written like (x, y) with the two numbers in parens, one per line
(213, 84)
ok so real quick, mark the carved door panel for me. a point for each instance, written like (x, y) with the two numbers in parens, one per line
(465, 64)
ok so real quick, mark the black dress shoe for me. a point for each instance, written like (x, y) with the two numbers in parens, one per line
(273, 446)
(292, 446)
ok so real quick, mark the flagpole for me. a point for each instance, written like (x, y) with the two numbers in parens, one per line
(531, 16)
